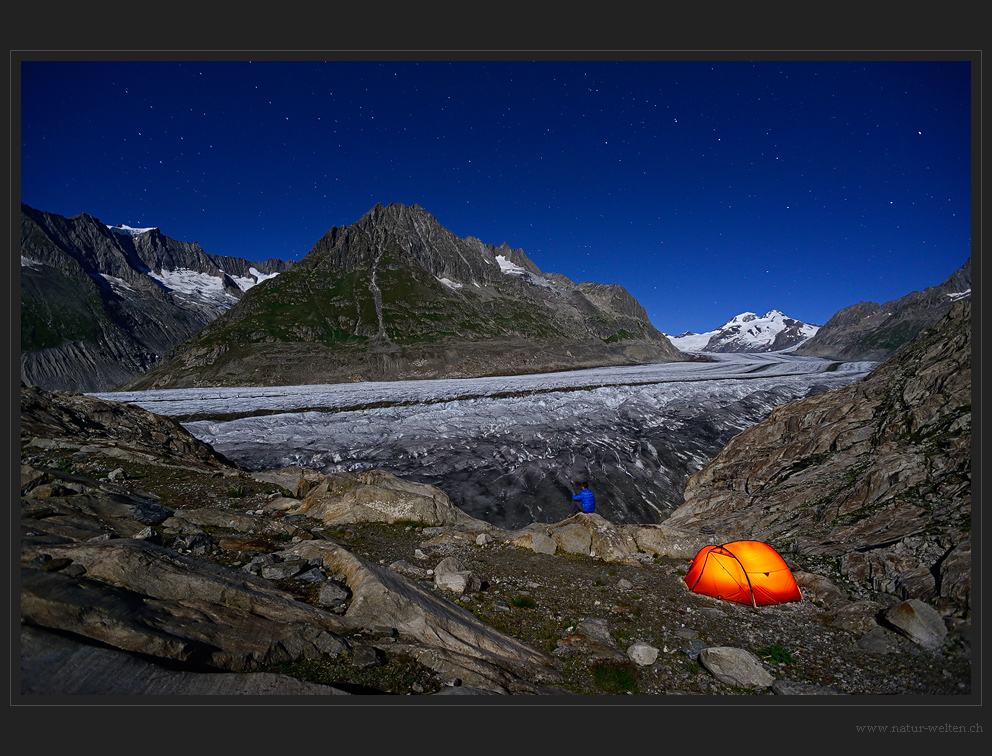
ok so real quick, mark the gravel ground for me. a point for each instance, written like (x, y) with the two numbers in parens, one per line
(538, 598)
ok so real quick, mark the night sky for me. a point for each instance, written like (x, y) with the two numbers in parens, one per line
(706, 189)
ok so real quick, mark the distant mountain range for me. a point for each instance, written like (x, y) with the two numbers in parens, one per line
(393, 296)
(865, 331)
(101, 305)
(749, 332)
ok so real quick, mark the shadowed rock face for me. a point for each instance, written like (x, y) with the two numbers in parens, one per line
(92, 314)
(128, 429)
(876, 475)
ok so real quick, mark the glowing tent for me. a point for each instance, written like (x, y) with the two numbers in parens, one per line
(749, 572)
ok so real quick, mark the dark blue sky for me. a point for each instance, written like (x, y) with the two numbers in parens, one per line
(706, 189)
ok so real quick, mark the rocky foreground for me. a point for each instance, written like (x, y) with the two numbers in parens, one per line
(150, 565)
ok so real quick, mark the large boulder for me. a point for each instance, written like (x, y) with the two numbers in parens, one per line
(735, 667)
(379, 496)
(143, 598)
(588, 534)
(919, 622)
(666, 541)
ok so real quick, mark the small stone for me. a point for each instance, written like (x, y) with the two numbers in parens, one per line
(332, 593)
(643, 654)
(283, 570)
(693, 647)
(366, 657)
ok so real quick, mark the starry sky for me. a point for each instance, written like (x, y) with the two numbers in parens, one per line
(706, 189)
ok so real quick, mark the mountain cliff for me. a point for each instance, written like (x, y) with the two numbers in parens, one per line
(874, 332)
(101, 305)
(397, 296)
(875, 476)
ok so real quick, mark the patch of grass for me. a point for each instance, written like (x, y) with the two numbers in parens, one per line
(399, 674)
(614, 677)
(776, 654)
(404, 524)
(523, 602)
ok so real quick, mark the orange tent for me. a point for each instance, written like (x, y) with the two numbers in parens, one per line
(749, 572)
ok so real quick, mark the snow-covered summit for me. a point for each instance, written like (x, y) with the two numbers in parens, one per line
(749, 332)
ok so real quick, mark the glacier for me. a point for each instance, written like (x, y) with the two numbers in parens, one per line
(511, 450)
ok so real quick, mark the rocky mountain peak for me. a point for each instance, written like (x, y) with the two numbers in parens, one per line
(397, 295)
(101, 304)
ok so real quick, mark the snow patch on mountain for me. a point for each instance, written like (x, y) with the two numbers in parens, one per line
(747, 332)
(954, 296)
(117, 284)
(129, 231)
(195, 285)
(510, 268)
(246, 282)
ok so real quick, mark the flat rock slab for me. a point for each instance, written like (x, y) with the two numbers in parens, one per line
(55, 665)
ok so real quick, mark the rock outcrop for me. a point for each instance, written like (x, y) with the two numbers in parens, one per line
(121, 430)
(377, 496)
(876, 475)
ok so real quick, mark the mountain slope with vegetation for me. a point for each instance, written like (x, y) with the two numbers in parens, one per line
(396, 296)
(101, 305)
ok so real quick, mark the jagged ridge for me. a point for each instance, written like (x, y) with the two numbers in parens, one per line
(100, 305)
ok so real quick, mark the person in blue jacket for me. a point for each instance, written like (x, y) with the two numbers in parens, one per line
(583, 501)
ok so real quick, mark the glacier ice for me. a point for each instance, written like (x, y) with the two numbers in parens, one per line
(511, 449)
